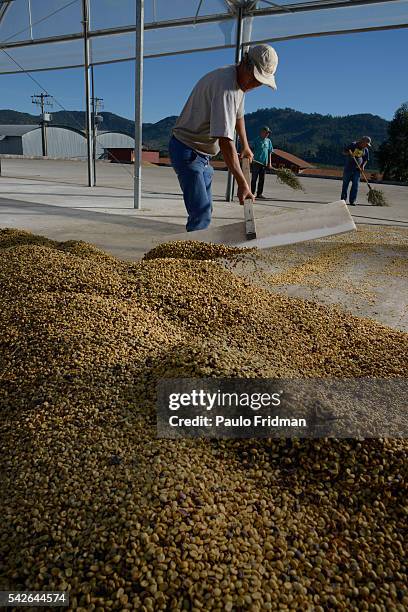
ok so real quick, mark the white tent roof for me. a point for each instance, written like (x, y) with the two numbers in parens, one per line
(47, 34)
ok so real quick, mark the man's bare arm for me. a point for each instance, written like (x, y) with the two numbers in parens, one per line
(241, 131)
(231, 158)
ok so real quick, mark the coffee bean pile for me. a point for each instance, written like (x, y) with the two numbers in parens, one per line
(93, 503)
(192, 249)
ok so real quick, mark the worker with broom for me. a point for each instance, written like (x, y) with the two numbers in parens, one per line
(263, 150)
(357, 157)
(212, 113)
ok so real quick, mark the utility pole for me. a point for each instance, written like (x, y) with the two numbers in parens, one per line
(43, 100)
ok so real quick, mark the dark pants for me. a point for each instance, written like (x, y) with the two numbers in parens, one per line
(195, 177)
(258, 174)
(353, 177)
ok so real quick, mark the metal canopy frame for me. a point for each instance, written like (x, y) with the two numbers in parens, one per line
(88, 102)
(236, 11)
(137, 194)
(4, 6)
(316, 5)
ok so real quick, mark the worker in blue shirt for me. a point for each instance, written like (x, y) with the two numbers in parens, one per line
(351, 173)
(262, 149)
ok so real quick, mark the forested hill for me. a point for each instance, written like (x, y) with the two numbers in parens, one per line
(313, 137)
(316, 138)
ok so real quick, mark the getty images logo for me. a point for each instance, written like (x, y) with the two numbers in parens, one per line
(207, 401)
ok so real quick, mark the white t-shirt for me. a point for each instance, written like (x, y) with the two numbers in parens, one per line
(211, 111)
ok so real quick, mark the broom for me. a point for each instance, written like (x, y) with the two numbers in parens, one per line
(375, 197)
(285, 177)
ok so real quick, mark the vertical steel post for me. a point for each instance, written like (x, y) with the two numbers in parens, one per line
(30, 18)
(247, 31)
(94, 111)
(85, 23)
(229, 195)
(137, 202)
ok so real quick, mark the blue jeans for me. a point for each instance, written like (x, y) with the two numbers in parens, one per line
(195, 177)
(258, 174)
(353, 176)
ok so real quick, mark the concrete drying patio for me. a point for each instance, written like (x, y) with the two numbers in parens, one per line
(365, 272)
(51, 198)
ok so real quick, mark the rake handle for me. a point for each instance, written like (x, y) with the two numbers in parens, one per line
(361, 170)
(255, 161)
(249, 219)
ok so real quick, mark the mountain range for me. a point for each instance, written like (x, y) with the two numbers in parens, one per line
(319, 139)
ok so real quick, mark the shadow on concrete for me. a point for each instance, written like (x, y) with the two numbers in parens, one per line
(381, 219)
(278, 206)
(65, 195)
(44, 179)
(64, 181)
(214, 219)
(75, 214)
(160, 193)
(292, 201)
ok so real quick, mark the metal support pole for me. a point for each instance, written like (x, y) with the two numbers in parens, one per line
(30, 18)
(85, 23)
(94, 128)
(138, 103)
(229, 195)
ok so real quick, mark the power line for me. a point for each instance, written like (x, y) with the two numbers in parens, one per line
(42, 100)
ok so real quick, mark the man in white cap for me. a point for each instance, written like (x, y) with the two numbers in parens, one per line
(212, 113)
(357, 157)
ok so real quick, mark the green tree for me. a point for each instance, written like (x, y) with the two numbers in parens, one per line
(393, 153)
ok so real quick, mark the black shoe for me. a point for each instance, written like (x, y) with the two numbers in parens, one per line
(352, 204)
(260, 197)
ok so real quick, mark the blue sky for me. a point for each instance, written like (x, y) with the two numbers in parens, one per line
(339, 75)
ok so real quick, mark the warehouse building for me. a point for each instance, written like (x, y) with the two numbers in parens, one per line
(111, 140)
(62, 141)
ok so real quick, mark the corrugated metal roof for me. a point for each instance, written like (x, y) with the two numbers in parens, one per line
(20, 130)
(16, 130)
(115, 132)
(292, 158)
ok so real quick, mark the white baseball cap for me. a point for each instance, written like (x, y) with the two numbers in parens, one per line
(265, 60)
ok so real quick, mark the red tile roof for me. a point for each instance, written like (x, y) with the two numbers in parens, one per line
(338, 173)
(334, 172)
(301, 163)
